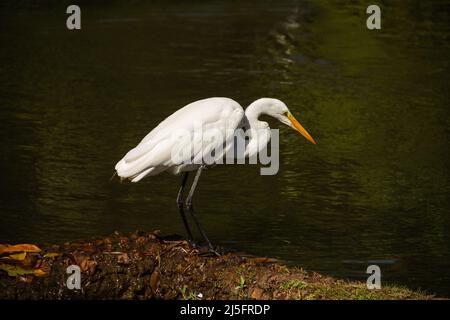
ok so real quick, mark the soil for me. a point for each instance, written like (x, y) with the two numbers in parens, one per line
(145, 265)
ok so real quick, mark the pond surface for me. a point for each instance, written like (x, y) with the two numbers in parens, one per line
(373, 191)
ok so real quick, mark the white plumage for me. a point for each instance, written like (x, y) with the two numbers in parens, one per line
(154, 154)
(202, 130)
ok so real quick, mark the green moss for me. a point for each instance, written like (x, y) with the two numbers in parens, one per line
(293, 284)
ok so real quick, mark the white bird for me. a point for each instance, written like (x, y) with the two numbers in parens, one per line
(224, 116)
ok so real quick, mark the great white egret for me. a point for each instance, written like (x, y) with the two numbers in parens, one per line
(155, 153)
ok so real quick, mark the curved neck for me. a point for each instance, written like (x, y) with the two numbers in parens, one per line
(254, 110)
(257, 131)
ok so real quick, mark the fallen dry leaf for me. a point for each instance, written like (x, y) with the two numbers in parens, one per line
(14, 270)
(18, 248)
(15, 256)
(264, 260)
(257, 293)
(154, 279)
(18, 256)
(39, 272)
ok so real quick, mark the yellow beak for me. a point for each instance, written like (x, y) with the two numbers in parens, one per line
(300, 128)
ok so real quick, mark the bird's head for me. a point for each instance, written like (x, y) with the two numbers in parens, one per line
(278, 109)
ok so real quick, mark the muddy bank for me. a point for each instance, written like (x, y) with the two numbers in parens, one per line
(148, 266)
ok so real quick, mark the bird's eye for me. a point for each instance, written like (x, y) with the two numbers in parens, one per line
(286, 113)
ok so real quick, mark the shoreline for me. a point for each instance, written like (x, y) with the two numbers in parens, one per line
(146, 265)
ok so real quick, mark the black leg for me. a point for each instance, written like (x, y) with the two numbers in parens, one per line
(191, 208)
(181, 208)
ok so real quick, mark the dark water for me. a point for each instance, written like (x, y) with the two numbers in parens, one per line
(374, 190)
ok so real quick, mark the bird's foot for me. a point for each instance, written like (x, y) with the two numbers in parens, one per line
(208, 252)
(214, 252)
(205, 251)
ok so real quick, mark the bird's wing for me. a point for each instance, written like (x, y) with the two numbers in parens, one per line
(202, 111)
(155, 152)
